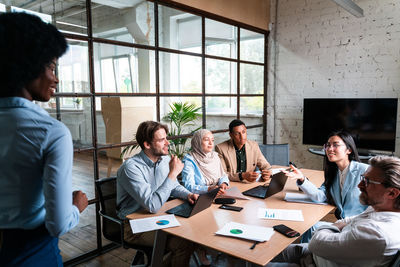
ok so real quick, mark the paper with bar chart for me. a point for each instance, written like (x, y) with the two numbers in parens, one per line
(280, 214)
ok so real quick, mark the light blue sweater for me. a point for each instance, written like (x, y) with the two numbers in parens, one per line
(193, 179)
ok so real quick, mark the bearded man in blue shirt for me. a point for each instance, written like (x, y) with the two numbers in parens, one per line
(146, 181)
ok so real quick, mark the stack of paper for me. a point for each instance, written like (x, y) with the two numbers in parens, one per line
(278, 214)
(302, 198)
(153, 223)
(245, 231)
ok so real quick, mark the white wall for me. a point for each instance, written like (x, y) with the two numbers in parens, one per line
(320, 50)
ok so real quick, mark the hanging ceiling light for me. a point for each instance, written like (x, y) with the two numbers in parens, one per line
(351, 7)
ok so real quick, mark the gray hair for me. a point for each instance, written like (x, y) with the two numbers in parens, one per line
(391, 169)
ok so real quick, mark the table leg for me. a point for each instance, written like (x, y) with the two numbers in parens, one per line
(159, 248)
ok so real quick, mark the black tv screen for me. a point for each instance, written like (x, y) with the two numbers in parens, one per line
(371, 121)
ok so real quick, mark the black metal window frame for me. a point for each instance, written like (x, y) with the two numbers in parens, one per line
(96, 147)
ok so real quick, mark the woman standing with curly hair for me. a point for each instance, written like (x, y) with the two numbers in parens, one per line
(37, 204)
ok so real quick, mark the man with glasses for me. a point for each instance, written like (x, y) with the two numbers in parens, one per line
(371, 238)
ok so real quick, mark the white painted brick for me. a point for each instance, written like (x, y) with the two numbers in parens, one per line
(323, 51)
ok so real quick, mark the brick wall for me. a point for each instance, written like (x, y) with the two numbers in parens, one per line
(320, 50)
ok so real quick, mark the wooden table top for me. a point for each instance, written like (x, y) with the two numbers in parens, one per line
(201, 227)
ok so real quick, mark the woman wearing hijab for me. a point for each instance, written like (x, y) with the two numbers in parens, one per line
(203, 172)
(203, 169)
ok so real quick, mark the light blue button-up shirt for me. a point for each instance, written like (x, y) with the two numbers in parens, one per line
(143, 184)
(36, 155)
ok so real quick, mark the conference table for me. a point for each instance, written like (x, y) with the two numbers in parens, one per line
(201, 227)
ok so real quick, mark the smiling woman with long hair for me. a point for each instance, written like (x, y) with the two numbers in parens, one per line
(342, 173)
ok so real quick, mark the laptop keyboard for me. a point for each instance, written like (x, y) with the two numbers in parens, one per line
(184, 209)
(259, 191)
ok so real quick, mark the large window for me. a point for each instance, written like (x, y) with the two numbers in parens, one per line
(128, 64)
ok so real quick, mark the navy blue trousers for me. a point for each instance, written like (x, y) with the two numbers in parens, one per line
(29, 248)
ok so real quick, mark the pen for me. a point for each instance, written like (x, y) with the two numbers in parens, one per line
(254, 245)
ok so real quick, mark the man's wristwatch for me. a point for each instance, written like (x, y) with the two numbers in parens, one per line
(240, 176)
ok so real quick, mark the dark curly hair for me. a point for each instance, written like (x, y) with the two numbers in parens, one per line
(27, 45)
(235, 123)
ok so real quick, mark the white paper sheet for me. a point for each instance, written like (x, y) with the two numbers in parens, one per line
(273, 172)
(251, 232)
(153, 223)
(233, 192)
(276, 170)
(302, 198)
(259, 176)
(280, 214)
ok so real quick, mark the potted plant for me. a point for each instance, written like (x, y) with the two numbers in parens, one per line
(78, 102)
(181, 116)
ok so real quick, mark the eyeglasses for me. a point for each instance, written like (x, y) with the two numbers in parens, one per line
(334, 145)
(368, 181)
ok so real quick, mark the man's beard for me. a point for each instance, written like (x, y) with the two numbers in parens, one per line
(158, 152)
(365, 200)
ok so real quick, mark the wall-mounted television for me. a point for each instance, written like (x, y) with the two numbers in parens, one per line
(371, 121)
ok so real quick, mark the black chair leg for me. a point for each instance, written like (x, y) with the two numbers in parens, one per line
(138, 259)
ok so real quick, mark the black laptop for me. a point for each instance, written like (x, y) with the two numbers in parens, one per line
(276, 185)
(186, 209)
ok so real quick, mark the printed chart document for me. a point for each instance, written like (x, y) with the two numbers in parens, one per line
(302, 198)
(153, 223)
(245, 231)
(278, 214)
(233, 192)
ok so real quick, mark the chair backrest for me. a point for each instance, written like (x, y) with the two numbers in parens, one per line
(107, 190)
(396, 260)
(276, 154)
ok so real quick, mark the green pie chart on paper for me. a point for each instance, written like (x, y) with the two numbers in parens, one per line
(236, 231)
(162, 222)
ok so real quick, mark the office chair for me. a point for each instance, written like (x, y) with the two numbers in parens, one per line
(113, 227)
(396, 260)
(276, 154)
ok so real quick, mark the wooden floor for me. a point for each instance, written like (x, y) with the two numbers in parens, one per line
(82, 238)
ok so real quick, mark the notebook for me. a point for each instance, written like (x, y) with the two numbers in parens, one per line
(187, 210)
(276, 185)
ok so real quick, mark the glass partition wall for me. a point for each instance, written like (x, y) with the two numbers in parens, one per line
(127, 62)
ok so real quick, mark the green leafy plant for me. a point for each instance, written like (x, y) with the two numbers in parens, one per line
(78, 100)
(181, 116)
